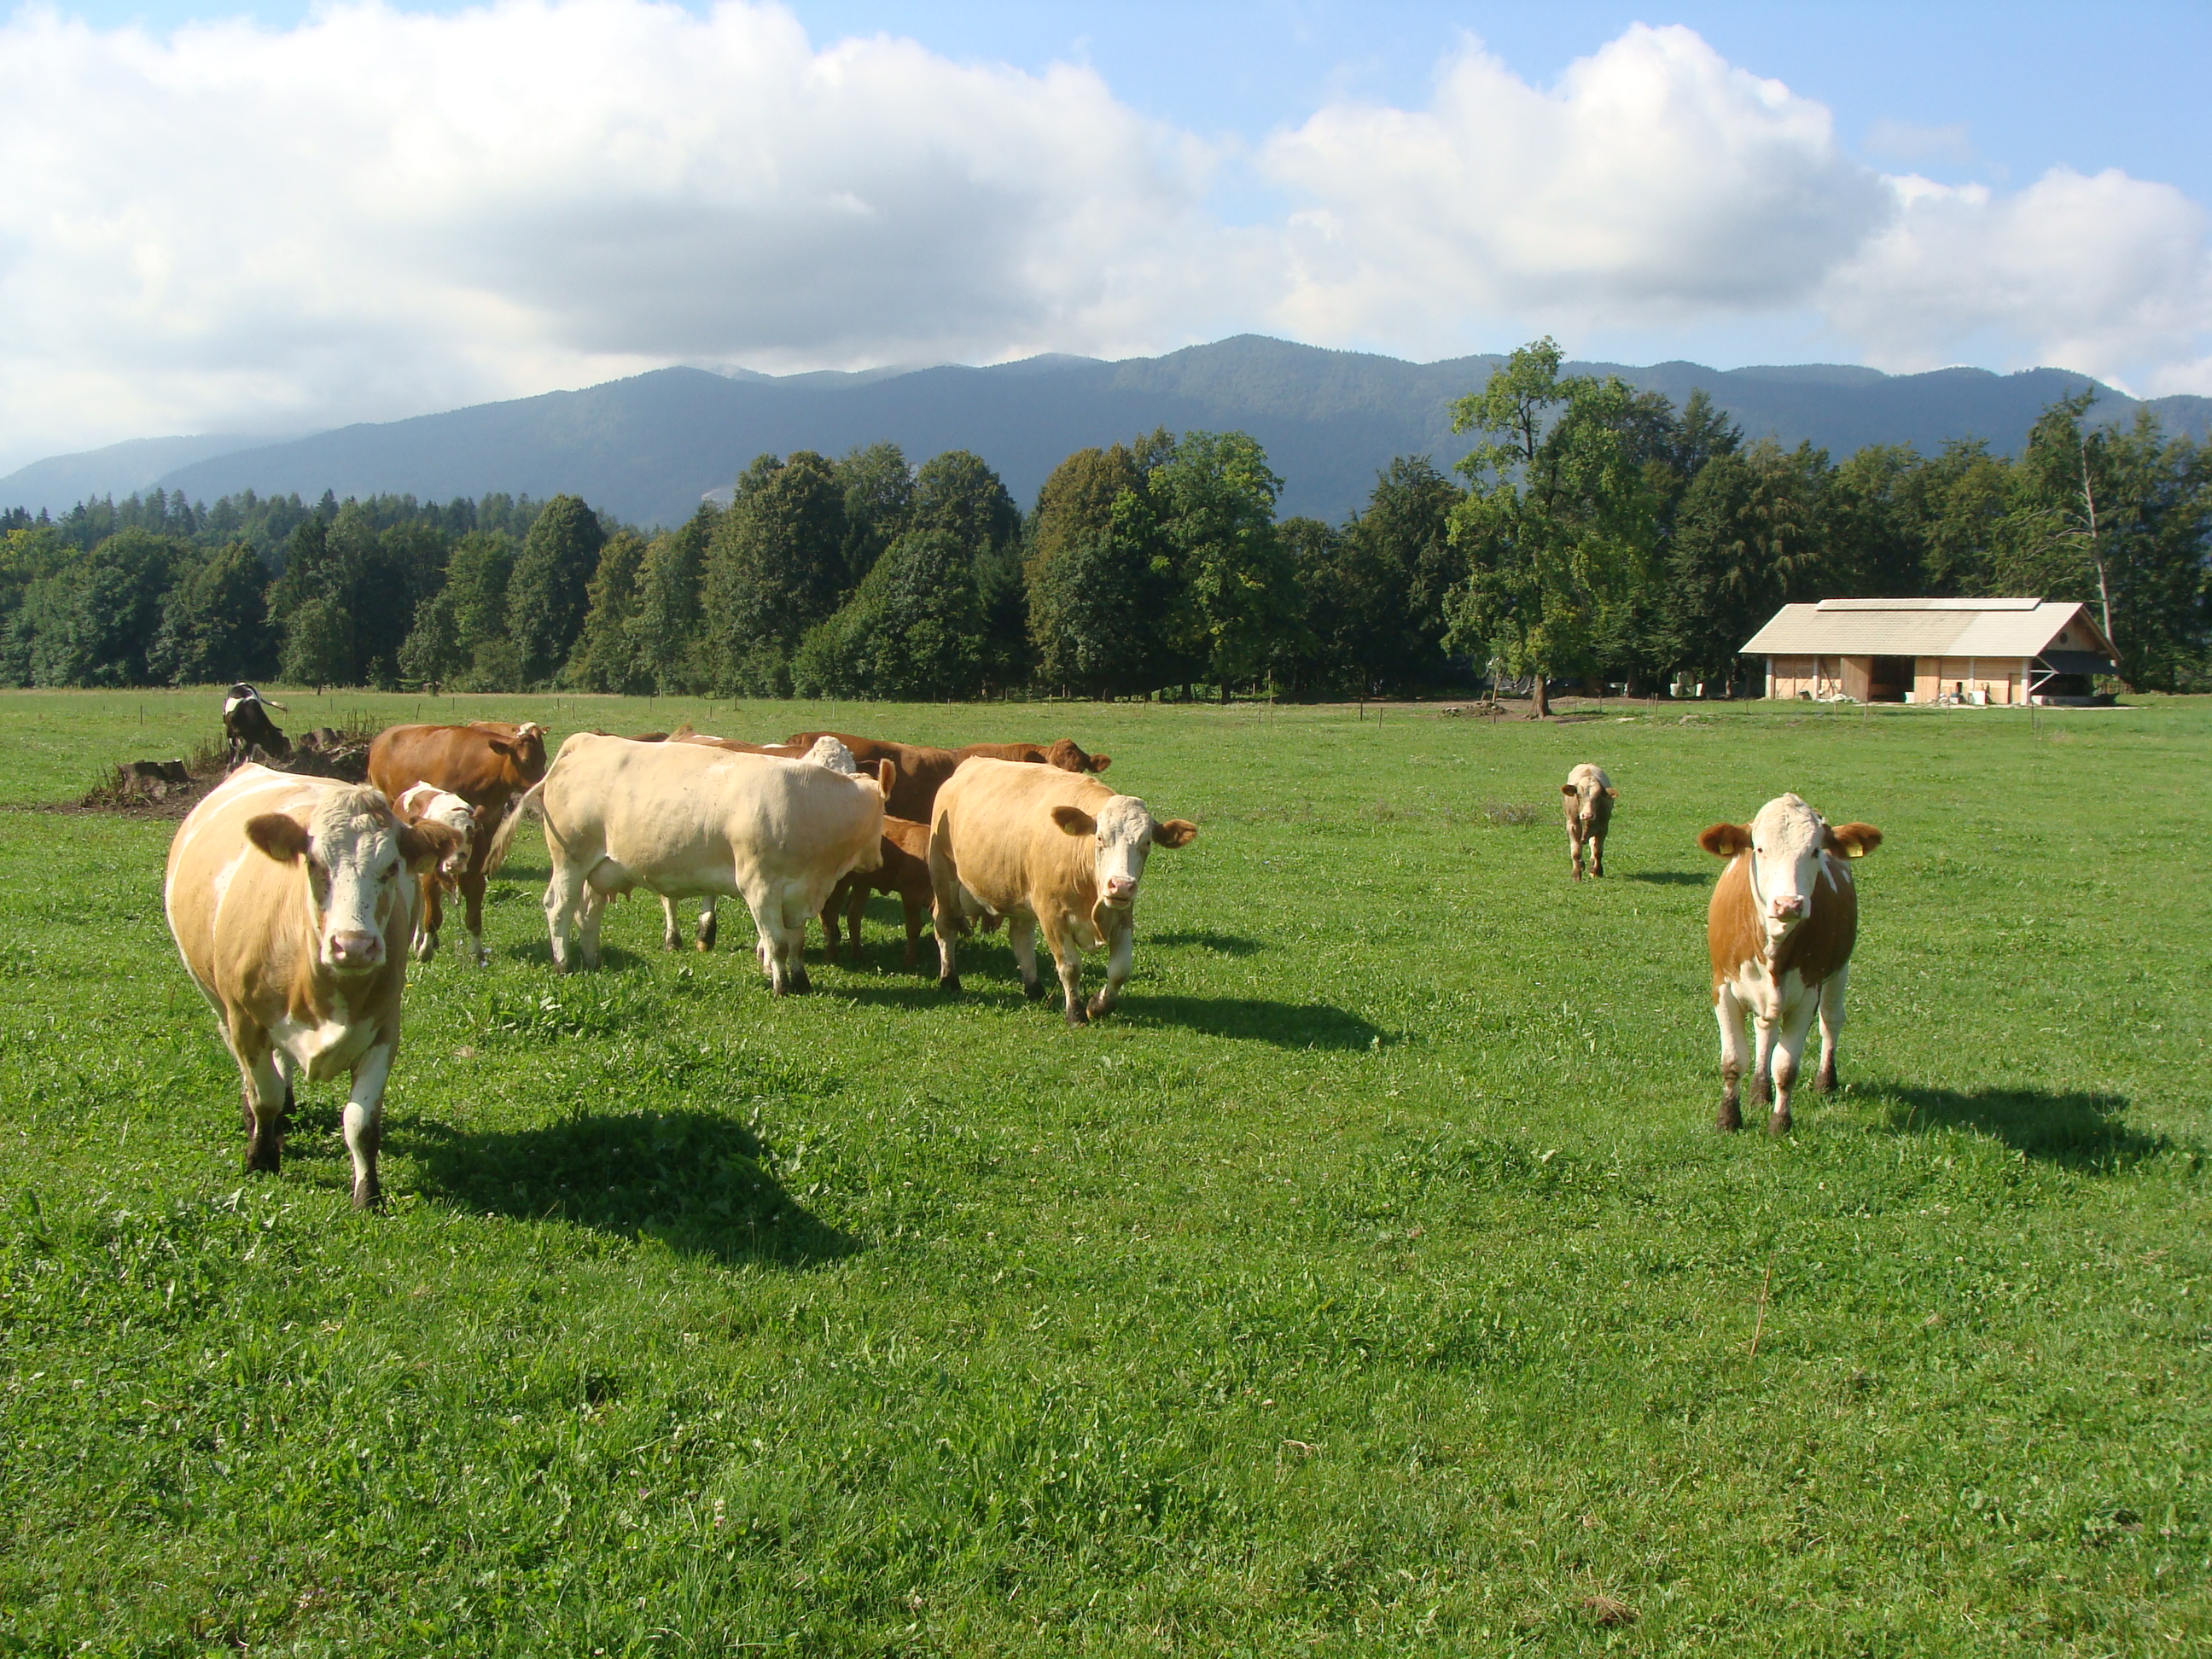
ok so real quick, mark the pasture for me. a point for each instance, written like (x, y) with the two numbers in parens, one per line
(1373, 1281)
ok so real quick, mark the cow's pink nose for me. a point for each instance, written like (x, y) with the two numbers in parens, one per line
(1789, 904)
(1119, 886)
(356, 949)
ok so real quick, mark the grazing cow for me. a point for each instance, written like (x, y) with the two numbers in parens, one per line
(922, 771)
(426, 802)
(291, 904)
(904, 872)
(1589, 797)
(1043, 848)
(487, 764)
(825, 752)
(1781, 926)
(683, 819)
(246, 726)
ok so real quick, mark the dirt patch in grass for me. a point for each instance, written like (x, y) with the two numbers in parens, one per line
(169, 789)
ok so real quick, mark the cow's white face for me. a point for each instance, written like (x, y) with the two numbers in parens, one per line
(1787, 856)
(1583, 793)
(1122, 834)
(357, 857)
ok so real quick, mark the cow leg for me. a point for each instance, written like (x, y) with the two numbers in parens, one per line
(1021, 937)
(1597, 854)
(670, 938)
(472, 892)
(945, 922)
(427, 922)
(1728, 1010)
(775, 955)
(703, 935)
(1121, 952)
(564, 901)
(1762, 1058)
(854, 908)
(914, 911)
(1068, 958)
(1789, 1051)
(593, 911)
(267, 1096)
(1575, 852)
(1832, 1027)
(364, 1122)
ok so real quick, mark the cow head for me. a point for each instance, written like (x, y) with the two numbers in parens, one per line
(1123, 832)
(525, 750)
(356, 855)
(1789, 845)
(1583, 791)
(1069, 758)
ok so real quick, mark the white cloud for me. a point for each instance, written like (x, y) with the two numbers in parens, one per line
(1656, 184)
(376, 213)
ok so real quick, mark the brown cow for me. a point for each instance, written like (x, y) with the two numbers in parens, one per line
(291, 906)
(489, 764)
(904, 872)
(922, 771)
(1044, 849)
(1589, 797)
(1780, 928)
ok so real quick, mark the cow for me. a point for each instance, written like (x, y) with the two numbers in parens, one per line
(487, 764)
(922, 771)
(904, 872)
(683, 819)
(246, 726)
(1589, 797)
(291, 904)
(426, 801)
(1780, 928)
(1046, 849)
(825, 751)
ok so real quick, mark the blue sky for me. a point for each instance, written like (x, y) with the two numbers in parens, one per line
(352, 211)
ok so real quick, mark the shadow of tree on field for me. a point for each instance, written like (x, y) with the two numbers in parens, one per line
(1670, 878)
(1285, 1024)
(699, 1184)
(2086, 1132)
(1229, 945)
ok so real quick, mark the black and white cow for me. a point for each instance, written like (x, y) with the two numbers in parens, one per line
(246, 726)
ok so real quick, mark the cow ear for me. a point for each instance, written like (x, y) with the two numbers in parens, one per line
(502, 746)
(426, 843)
(1853, 841)
(1100, 763)
(1568, 790)
(278, 834)
(1176, 832)
(886, 776)
(1725, 841)
(1612, 794)
(1074, 820)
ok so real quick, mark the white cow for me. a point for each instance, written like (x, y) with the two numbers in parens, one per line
(683, 821)
(428, 804)
(291, 901)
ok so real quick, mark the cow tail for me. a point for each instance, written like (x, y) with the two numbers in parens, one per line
(526, 805)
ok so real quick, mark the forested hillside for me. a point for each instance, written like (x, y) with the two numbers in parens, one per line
(1592, 531)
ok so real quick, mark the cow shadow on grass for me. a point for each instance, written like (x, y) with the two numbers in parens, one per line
(1227, 944)
(1250, 1019)
(2075, 1130)
(697, 1183)
(1671, 878)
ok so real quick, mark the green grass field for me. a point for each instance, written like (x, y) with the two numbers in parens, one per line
(1373, 1281)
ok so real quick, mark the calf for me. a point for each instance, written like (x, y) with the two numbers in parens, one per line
(1045, 849)
(291, 904)
(427, 803)
(903, 872)
(681, 820)
(1589, 797)
(487, 764)
(246, 726)
(1780, 929)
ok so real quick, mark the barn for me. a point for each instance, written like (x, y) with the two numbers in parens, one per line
(1926, 651)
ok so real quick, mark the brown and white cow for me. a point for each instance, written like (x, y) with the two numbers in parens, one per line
(922, 771)
(1046, 849)
(1780, 928)
(292, 899)
(685, 820)
(1589, 797)
(904, 873)
(427, 803)
(489, 764)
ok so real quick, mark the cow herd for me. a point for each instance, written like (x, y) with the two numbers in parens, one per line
(296, 900)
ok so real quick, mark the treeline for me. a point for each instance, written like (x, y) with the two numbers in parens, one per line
(1595, 534)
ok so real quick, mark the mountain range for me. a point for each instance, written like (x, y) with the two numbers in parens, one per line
(647, 448)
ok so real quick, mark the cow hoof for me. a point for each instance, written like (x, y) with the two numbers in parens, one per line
(949, 983)
(367, 1195)
(264, 1160)
(800, 984)
(1779, 1123)
(1077, 1016)
(1825, 1084)
(1033, 989)
(1099, 1006)
(1728, 1119)
(425, 949)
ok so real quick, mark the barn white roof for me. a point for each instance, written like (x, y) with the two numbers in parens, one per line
(1927, 627)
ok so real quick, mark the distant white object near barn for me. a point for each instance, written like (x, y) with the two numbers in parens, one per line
(1926, 651)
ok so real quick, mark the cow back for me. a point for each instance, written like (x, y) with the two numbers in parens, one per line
(922, 771)
(994, 818)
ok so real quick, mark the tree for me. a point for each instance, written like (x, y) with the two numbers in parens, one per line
(1398, 564)
(878, 487)
(460, 635)
(774, 568)
(546, 595)
(215, 626)
(1749, 539)
(318, 645)
(666, 646)
(1559, 524)
(605, 659)
(1100, 601)
(914, 629)
(1215, 497)
(957, 492)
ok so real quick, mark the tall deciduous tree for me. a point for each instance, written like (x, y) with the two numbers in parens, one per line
(548, 592)
(914, 629)
(215, 625)
(666, 646)
(879, 490)
(776, 567)
(603, 659)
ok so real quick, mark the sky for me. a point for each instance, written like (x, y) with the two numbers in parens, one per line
(272, 217)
